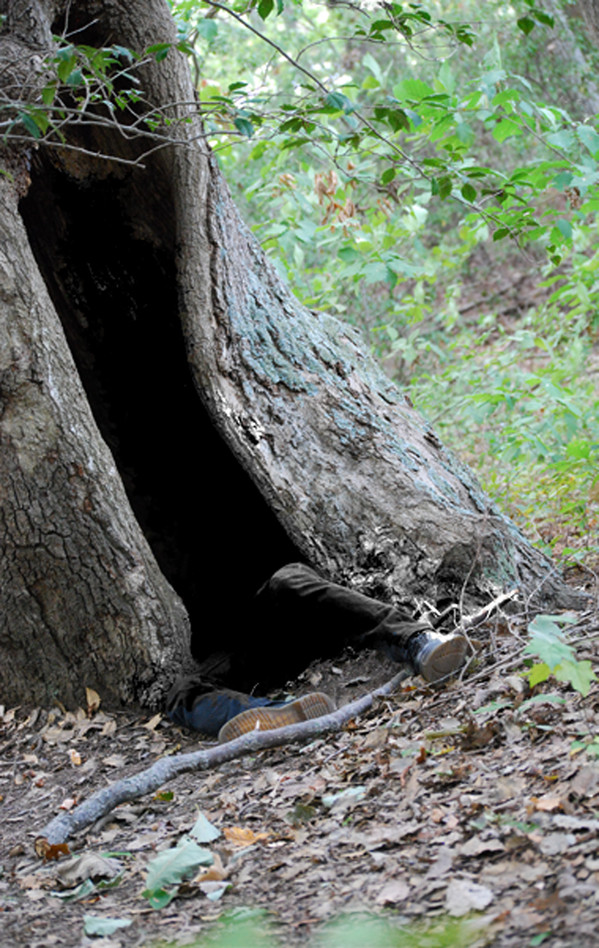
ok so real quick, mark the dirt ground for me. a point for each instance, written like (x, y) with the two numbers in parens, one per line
(467, 812)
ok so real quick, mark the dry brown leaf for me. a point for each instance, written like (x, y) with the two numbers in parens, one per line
(214, 873)
(48, 851)
(465, 896)
(547, 803)
(115, 760)
(75, 757)
(93, 701)
(153, 723)
(392, 892)
(554, 844)
(475, 846)
(475, 737)
(240, 836)
(68, 803)
(53, 735)
(87, 866)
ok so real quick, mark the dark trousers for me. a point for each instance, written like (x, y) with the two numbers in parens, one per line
(295, 610)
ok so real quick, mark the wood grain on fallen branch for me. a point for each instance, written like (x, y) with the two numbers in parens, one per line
(65, 825)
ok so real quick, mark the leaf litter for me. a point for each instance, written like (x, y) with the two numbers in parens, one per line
(470, 802)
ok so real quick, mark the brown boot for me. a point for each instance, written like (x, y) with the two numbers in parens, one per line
(266, 719)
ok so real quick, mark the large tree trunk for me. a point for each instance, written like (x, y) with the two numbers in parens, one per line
(82, 600)
(246, 429)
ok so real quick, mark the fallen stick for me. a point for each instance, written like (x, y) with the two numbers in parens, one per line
(468, 622)
(65, 825)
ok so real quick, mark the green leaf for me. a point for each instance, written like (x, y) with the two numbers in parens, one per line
(579, 674)
(48, 93)
(538, 673)
(81, 891)
(159, 898)
(469, 193)
(547, 641)
(123, 52)
(203, 830)
(540, 699)
(29, 124)
(159, 50)
(562, 139)
(505, 129)
(565, 228)
(542, 17)
(66, 61)
(244, 126)
(563, 180)
(398, 119)
(589, 138)
(412, 89)
(525, 24)
(76, 78)
(443, 186)
(96, 925)
(207, 29)
(370, 63)
(380, 25)
(265, 8)
(375, 272)
(174, 865)
(338, 101)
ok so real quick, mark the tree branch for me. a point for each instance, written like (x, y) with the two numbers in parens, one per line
(167, 768)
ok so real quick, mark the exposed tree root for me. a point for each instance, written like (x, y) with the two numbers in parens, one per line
(99, 804)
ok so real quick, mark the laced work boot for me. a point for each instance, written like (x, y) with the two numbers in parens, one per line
(266, 719)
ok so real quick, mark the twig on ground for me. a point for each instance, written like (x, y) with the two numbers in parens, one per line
(468, 622)
(138, 785)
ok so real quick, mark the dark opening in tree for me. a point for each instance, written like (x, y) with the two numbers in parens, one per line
(105, 248)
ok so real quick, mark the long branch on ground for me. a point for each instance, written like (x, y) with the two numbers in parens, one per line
(138, 785)
(130, 788)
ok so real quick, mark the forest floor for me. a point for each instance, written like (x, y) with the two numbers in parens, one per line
(459, 815)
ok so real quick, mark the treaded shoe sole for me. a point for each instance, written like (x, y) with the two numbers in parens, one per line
(267, 719)
(439, 659)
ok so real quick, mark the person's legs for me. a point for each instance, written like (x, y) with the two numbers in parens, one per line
(299, 607)
(226, 714)
(325, 616)
(331, 615)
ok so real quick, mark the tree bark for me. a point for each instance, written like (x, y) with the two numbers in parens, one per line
(82, 600)
(323, 456)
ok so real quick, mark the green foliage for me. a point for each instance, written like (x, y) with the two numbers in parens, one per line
(247, 928)
(171, 867)
(557, 656)
(83, 83)
(390, 160)
(102, 926)
(590, 745)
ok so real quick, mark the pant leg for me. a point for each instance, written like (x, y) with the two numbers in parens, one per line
(296, 610)
(207, 712)
(329, 615)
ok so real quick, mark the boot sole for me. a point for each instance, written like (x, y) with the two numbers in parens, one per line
(444, 659)
(267, 719)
